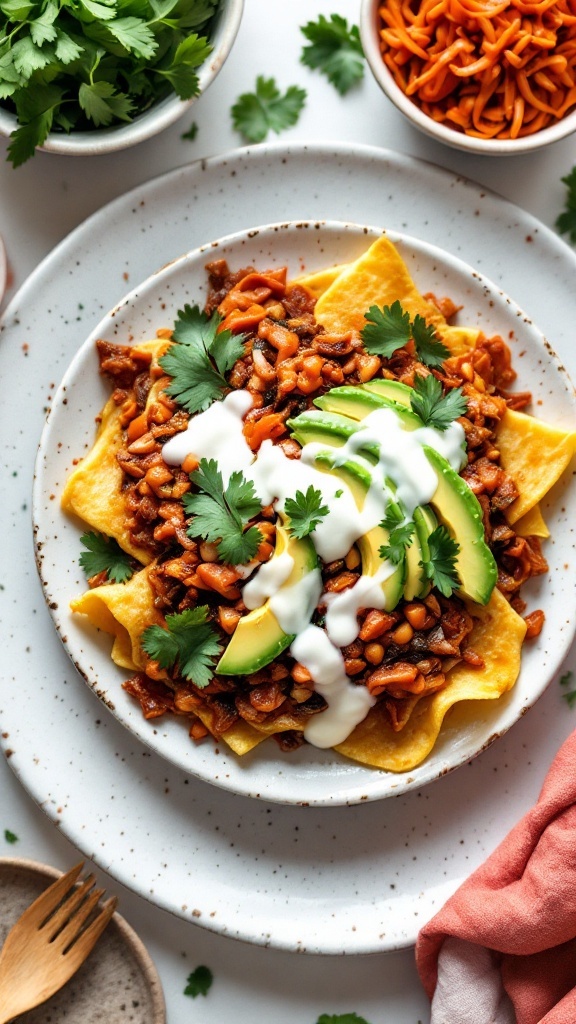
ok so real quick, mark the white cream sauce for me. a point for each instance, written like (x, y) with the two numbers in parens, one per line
(217, 434)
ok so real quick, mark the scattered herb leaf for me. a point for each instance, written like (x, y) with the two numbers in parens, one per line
(389, 328)
(305, 511)
(200, 358)
(191, 133)
(341, 1018)
(256, 113)
(441, 567)
(79, 65)
(435, 408)
(570, 697)
(188, 642)
(400, 539)
(566, 221)
(104, 554)
(335, 50)
(566, 679)
(199, 982)
(221, 513)
(9, 836)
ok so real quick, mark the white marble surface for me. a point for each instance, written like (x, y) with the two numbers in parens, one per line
(39, 204)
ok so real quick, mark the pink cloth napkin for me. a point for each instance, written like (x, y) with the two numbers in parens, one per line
(503, 948)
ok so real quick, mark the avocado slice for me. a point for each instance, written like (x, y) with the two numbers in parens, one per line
(394, 390)
(329, 428)
(258, 637)
(357, 404)
(459, 509)
(358, 480)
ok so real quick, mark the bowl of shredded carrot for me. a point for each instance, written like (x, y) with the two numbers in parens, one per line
(487, 76)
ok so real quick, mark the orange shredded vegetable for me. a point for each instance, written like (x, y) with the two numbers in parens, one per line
(493, 69)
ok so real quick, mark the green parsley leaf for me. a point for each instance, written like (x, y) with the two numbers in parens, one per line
(566, 221)
(430, 349)
(441, 567)
(335, 51)
(220, 513)
(200, 358)
(9, 836)
(256, 113)
(341, 1018)
(566, 679)
(101, 103)
(570, 698)
(394, 516)
(435, 408)
(188, 642)
(27, 137)
(199, 982)
(400, 539)
(104, 554)
(305, 512)
(191, 133)
(388, 329)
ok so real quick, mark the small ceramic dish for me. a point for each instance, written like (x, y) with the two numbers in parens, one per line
(308, 775)
(161, 115)
(118, 974)
(369, 33)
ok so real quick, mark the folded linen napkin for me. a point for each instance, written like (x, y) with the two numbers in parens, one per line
(503, 948)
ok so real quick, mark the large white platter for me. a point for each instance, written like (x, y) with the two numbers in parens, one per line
(332, 880)
(309, 776)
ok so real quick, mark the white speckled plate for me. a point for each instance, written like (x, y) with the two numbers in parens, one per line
(310, 776)
(118, 983)
(322, 879)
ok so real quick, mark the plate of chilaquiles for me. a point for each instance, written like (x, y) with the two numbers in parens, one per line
(302, 512)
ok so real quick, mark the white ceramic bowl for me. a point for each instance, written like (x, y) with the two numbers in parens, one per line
(308, 775)
(106, 140)
(441, 132)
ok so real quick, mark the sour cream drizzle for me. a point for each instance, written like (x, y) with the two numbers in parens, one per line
(217, 434)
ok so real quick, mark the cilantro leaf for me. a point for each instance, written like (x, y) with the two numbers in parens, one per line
(341, 1018)
(566, 679)
(566, 221)
(570, 696)
(400, 539)
(220, 513)
(430, 349)
(435, 408)
(441, 567)
(305, 511)
(104, 554)
(188, 642)
(199, 982)
(393, 516)
(9, 836)
(256, 113)
(388, 329)
(335, 50)
(101, 103)
(191, 133)
(181, 73)
(200, 358)
(25, 139)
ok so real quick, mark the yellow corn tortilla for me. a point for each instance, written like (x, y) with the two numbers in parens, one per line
(319, 281)
(532, 524)
(535, 455)
(497, 636)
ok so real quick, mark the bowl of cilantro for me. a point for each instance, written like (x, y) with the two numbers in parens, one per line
(81, 78)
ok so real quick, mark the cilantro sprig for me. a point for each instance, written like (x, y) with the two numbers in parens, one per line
(104, 554)
(199, 982)
(400, 534)
(188, 642)
(93, 63)
(219, 514)
(389, 328)
(335, 50)
(440, 568)
(566, 221)
(267, 109)
(305, 511)
(200, 358)
(435, 408)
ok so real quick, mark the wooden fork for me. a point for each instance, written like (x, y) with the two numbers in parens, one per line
(49, 942)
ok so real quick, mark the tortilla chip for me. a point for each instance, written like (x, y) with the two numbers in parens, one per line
(379, 277)
(532, 524)
(321, 280)
(124, 610)
(535, 455)
(459, 340)
(497, 637)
